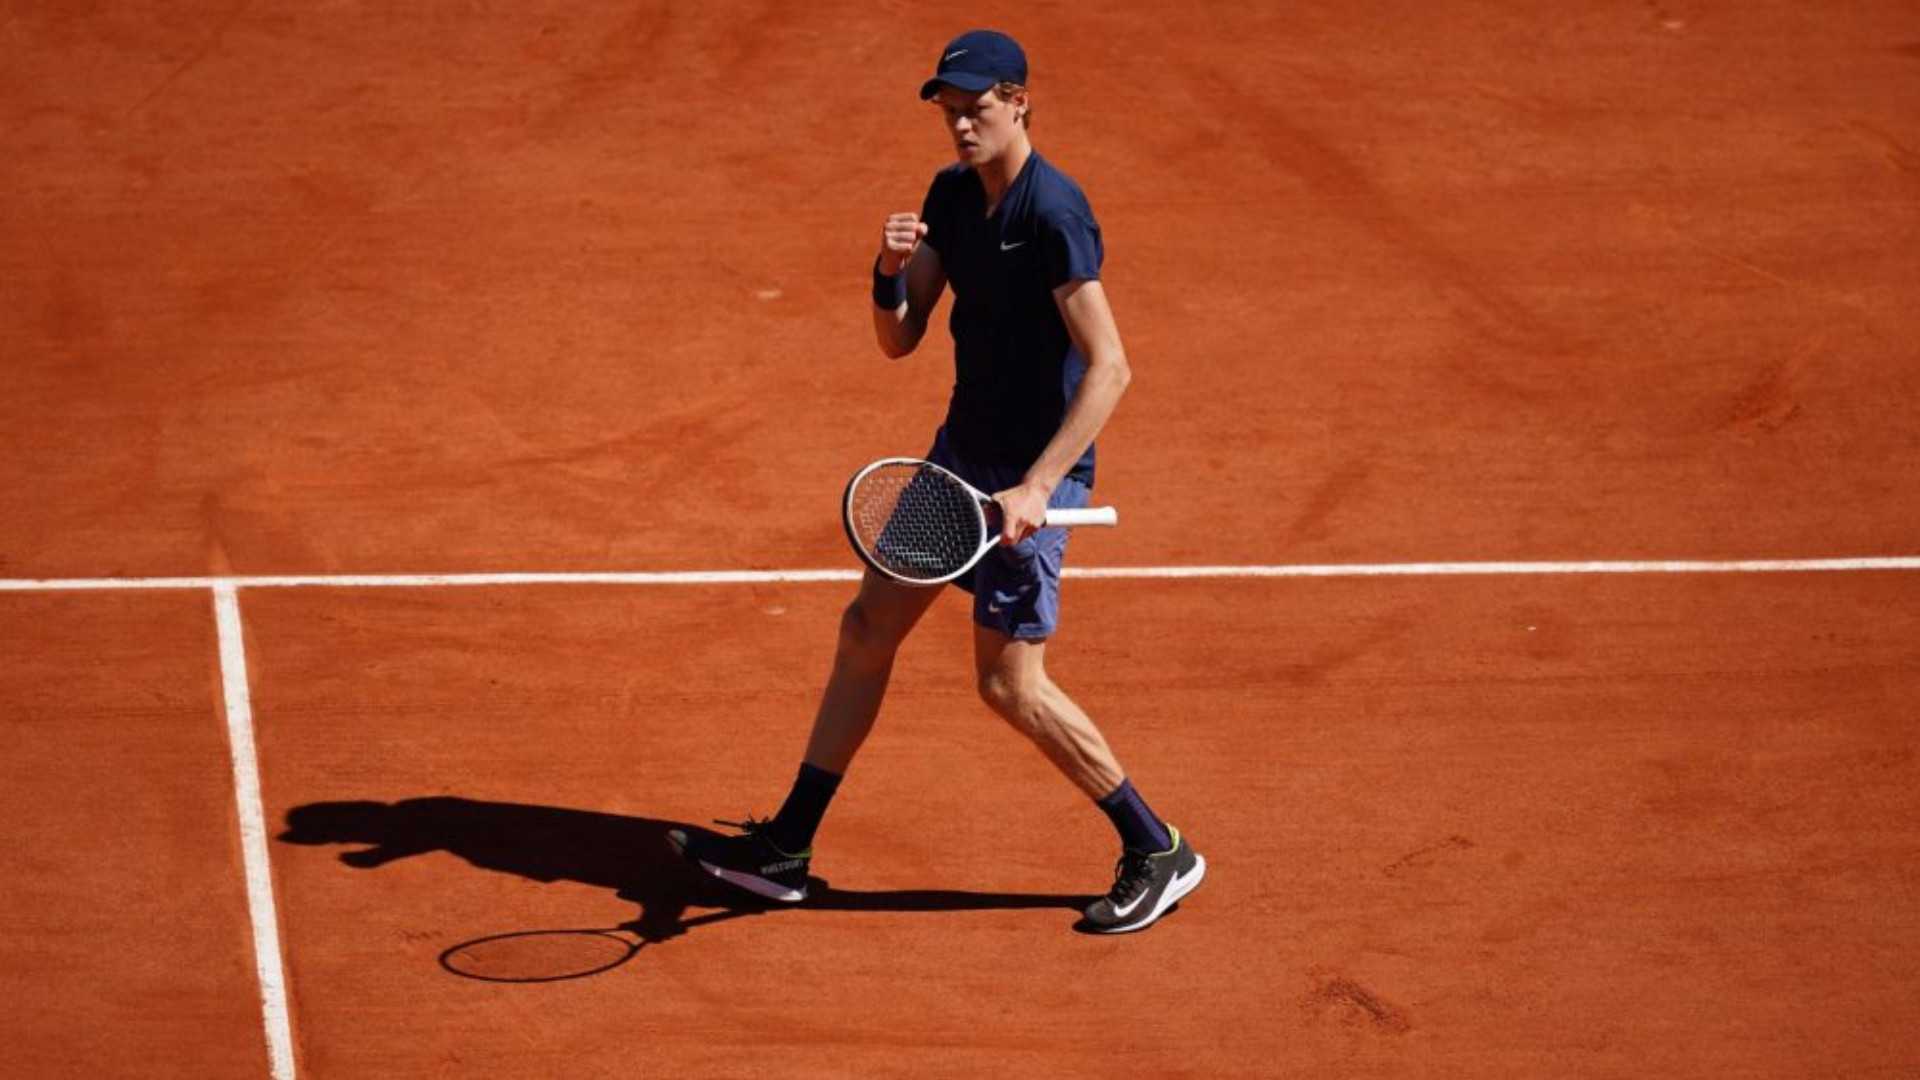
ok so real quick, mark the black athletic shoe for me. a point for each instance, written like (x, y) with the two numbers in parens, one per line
(1145, 885)
(750, 860)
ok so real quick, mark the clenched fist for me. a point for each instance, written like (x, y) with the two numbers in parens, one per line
(898, 239)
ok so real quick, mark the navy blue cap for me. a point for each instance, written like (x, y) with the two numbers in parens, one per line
(977, 60)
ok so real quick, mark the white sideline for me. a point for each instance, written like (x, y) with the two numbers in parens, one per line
(760, 577)
(253, 833)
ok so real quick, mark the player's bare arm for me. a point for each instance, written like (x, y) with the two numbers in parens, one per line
(900, 328)
(1083, 305)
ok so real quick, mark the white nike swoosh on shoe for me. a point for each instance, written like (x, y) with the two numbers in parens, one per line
(1181, 886)
(1177, 887)
(1123, 912)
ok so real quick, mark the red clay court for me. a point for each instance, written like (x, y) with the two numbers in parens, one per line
(418, 465)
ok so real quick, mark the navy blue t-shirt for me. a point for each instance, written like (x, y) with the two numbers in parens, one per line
(1015, 365)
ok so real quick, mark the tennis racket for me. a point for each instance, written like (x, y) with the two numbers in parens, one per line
(920, 524)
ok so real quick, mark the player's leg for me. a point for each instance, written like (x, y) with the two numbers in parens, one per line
(1013, 682)
(1157, 865)
(872, 628)
(1016, 609)
(771, 858)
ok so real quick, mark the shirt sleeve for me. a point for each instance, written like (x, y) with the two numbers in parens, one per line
(1070, 240)
(936, 212)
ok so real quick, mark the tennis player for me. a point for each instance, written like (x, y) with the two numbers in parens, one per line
(1039, 369)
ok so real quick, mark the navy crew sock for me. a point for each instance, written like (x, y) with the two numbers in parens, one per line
(792, 829)
(1139, 829)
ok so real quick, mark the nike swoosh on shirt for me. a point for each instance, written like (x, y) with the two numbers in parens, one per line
(1004, 246)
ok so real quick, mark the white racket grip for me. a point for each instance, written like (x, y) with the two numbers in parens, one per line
(1092, 515)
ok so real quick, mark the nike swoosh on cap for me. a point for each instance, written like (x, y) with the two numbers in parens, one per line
(951, 55)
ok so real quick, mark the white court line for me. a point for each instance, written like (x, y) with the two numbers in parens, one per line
(253, 834)
(1460, 569)
(761, 577)
(427, 581)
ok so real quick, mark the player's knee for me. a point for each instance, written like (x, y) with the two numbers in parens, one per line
(863, 632)
(1016, 697)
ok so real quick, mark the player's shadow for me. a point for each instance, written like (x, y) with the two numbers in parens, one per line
(630, 855)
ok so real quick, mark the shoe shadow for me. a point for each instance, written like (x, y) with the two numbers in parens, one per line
(629, 855)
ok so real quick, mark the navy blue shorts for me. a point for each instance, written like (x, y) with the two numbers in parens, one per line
(1016, 590)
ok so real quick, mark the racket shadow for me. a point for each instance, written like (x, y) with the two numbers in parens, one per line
(629, 855)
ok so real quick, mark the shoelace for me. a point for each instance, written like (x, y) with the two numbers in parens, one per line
(757, 828)
(1131, 875)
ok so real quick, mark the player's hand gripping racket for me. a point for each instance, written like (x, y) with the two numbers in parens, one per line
(920, 524)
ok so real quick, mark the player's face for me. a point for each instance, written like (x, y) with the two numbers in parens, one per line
(981, 125)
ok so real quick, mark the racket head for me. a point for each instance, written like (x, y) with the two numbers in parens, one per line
(915, 522)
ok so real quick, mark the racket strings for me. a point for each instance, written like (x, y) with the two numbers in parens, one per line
(916, 521)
